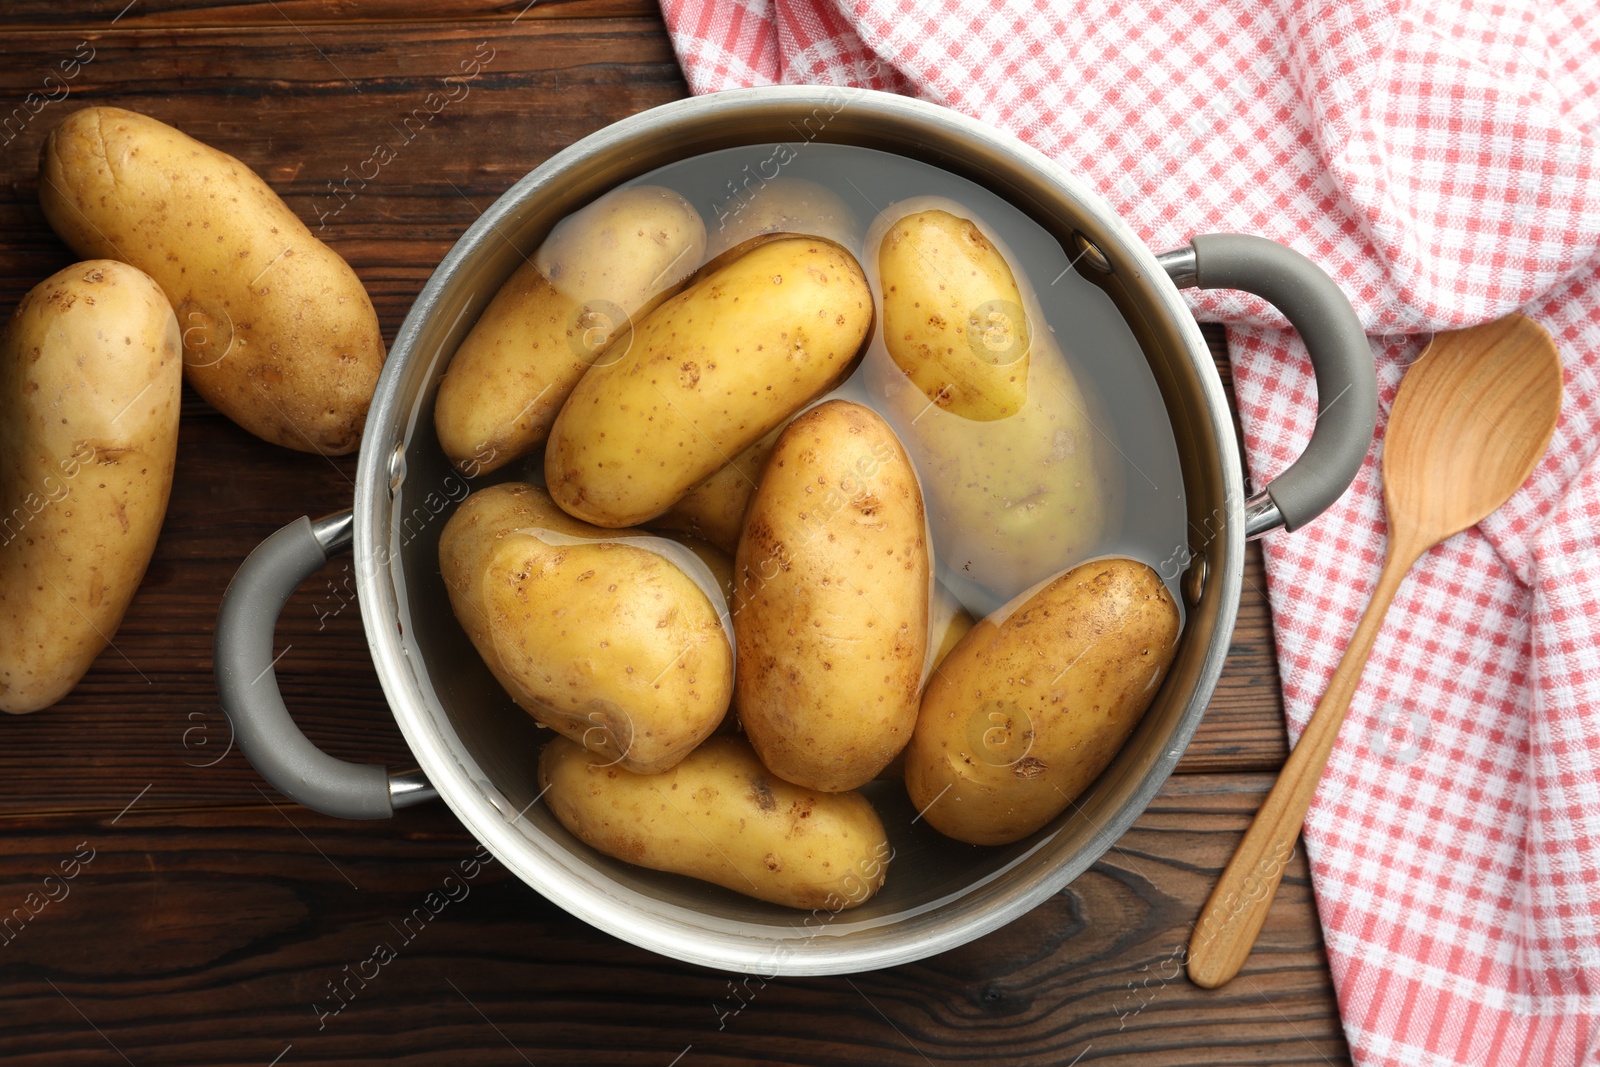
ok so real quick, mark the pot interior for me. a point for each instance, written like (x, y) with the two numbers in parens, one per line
(481, 750)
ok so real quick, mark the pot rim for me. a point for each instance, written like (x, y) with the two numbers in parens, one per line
(653, 925)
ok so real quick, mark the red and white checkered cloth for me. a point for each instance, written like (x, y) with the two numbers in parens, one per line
(1439, 161)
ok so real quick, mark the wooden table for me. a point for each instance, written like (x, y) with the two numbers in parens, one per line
(213, 918)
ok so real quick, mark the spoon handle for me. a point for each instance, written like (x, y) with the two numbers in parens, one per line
(1233, 917)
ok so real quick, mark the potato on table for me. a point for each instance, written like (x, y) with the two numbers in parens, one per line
(601, 266)
(609, 642)
(1037, 699)
(278, 333)
(832, 612)
(722, 817)
(705, 376)
(90, 374)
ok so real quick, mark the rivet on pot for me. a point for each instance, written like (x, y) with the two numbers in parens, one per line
(397, 469)
(1090, 255)
(499, 802)
(1194, 580)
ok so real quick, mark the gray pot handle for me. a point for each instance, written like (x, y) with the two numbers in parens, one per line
(248, 685)
(1347, 383)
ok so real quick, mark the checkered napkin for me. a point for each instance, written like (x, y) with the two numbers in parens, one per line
(1439, 161)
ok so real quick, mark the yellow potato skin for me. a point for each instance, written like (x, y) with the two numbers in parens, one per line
(715, 509)
(278, 333)
(607, 643)
(783, 205)
(948, 624)
(90, 374)
(720, 564)
(832, 613)
(1026, 711)
(616, 258)
(953, 317)
(706, 375)
(1012, 499)
(722, 817)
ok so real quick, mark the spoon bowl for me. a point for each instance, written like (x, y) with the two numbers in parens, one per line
(1472, 418)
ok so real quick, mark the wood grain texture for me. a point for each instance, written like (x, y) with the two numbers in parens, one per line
(139, 14)
(209, 922)
(207, 937)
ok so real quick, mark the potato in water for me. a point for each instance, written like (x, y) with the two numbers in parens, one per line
(722, 817)
(715, 509)
(601, 266)
(831, 616)
(953, 319)
(90, 375)
(783, 205)
(1022, 478)
(948, 623)
(607, 641)
(720, 564)
(278, 333)
(1037, 699)
(704, 377)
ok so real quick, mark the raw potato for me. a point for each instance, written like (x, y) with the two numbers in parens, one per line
(720, 564)
(1012, 500)
(604, 264)
(720, 816)
(611, 644)
(953, 317)
(784, 205)
(948, 624)
(1015, 500)
(832, 612)
(1035, 701)
(714, 510)
(706, 375)
(90, 373)
(278, 333)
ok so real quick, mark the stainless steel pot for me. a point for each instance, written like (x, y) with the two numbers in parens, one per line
(478, 753)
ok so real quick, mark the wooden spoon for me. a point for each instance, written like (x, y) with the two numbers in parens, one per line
(1472, 418)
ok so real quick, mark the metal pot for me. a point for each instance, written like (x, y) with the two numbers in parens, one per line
(479, 755)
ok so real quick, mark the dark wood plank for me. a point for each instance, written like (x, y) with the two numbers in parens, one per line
(139, 14)
(207, 937)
